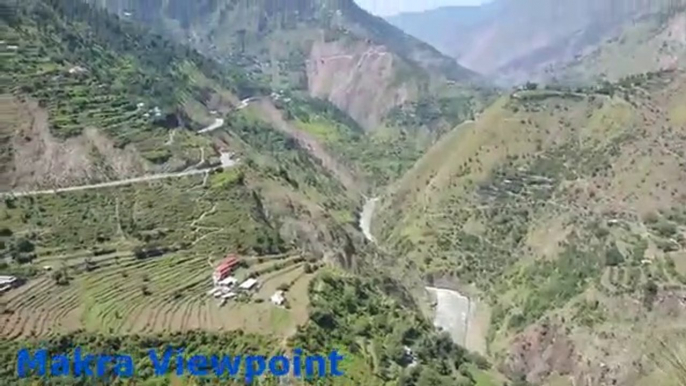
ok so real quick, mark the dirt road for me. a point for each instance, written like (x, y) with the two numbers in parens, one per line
(108, 184)
(219, 122)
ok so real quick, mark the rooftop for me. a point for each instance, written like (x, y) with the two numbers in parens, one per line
(248, 284)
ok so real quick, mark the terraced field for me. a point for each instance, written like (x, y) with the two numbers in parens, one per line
(97, 104)
(139, 259)
(119, 293)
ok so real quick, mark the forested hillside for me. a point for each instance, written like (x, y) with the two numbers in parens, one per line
(127, 267)
(564, 209)
(402, 92)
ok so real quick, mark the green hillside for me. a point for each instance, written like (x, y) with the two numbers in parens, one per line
(563, 208)
(299, 47)
(127, 267)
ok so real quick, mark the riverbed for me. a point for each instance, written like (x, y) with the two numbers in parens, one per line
(454, 311)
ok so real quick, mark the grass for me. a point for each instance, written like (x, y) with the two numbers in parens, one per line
(376, 158)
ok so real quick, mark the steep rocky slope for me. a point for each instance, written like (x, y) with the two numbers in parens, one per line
(401, 93)
(653, 43)
(565, 209)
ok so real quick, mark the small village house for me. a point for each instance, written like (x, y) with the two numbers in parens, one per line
(278, 298)
(7, 283)
(248, 284)
(225, 268)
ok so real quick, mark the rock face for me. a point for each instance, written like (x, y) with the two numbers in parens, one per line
(359, 78)
(332, 49)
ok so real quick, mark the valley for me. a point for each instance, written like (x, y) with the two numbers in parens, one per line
(272, 175)
(556, 41)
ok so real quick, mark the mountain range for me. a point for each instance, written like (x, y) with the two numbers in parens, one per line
(541, 39)
(512, 173)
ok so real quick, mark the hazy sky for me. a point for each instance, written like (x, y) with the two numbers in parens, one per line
(391, 7)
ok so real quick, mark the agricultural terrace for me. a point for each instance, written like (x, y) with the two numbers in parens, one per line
(139, 259)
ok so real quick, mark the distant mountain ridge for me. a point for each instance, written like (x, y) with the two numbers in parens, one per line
(538, 40)
(439, 27)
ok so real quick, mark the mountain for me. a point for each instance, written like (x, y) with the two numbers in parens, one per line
(563, 210)
(517, 42)
(132, 165)
(652, 43)
(447, 25)
(402, 93)
(303, 44)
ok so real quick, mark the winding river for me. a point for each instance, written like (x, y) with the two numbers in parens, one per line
(453, 310)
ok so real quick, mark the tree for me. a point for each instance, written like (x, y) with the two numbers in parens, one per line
(60, 277)
(649, 293)
(23, 245)
(614, 257)
(145, 291)
(531, 86)
(429, 377)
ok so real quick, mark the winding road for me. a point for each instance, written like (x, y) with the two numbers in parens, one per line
(219, 122)
(226, 159)
(108, 184)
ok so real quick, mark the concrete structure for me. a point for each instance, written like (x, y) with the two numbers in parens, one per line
(228, 282)
(278, 298)
(77, 70)
(7, 283)
(248, 284)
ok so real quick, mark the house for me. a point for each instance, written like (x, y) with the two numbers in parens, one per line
(228, 282)
(278, 298)
(229, 295)
(7, 283)
(225, 268)
(248, 284)
(77, 70)
(7, 280)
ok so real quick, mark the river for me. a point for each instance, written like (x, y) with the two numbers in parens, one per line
(453, 310)
(366, 218)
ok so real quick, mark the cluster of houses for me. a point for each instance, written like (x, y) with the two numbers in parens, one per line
(154, 111)
(226, 286)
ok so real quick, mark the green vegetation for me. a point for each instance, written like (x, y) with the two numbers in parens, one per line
(560, 206)
(370, 325)
(383, 157)
(131, 84)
